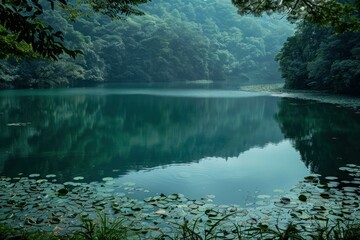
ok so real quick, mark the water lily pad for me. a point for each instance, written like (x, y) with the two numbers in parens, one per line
(325, 195)
(71, 184)
(349, 189)
(211, 213)
(173, 196)
(78, 178)
(41, 181)
(106, 179)
(263, 196)
(34, 175)
(129, 184)
(345, 168)
(278, 190)
(62, 191)
(302, 198)
(161, 212)
(193, 206)
(54, 220)
(136, 208)
(347, 211)
(50, 176)
(331, 178)
(351, 165)
(304, 216)
(285, 200)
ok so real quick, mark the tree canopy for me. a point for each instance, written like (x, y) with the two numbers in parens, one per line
(175, 40)
(22, 28)
(318, 58)
(341, 15)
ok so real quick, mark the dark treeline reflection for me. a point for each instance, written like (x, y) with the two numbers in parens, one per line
(326, 136)
(91, 135)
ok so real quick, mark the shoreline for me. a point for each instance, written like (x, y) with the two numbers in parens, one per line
(277, 90)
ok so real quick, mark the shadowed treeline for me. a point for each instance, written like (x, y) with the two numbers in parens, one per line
(325, 135)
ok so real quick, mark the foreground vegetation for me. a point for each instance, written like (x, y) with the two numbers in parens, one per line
(313, 209)
(106, 229)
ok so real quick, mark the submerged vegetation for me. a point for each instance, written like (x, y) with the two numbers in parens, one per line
(313, 209)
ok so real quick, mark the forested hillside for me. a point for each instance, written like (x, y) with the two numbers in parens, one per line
(176, 40)
(320, 59)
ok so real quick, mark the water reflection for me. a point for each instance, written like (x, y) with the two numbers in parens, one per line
(327, 136)
(90, 135)
(227, 146)
(239, 179)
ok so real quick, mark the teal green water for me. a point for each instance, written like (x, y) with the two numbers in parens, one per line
(231, 144)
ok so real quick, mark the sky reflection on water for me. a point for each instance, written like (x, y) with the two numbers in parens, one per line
(236, 179)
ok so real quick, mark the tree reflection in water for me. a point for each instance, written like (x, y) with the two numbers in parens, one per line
(80, 134)
(327, 136)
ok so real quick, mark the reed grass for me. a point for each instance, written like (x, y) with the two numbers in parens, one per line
(105, 228)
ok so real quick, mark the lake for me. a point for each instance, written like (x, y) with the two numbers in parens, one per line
(227, 144)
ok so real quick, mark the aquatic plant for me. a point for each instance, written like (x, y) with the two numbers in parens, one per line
(199, 229)
(95, 211)
(104, 228)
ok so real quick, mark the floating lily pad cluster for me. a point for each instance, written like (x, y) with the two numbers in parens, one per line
(35, 203)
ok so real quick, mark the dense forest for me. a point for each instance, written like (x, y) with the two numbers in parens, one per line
(193, 40)
(318, 58)
(174, 41)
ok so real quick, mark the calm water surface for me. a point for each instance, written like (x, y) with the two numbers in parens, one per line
(231, 144)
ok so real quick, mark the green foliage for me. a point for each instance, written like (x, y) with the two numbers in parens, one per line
(114, 230)
(23, 21)
(200, 229)
(317, 58)
(174, 41)
(9, 46)
(340, 231)
(342, 16)
(103, 228)
(20, 20)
